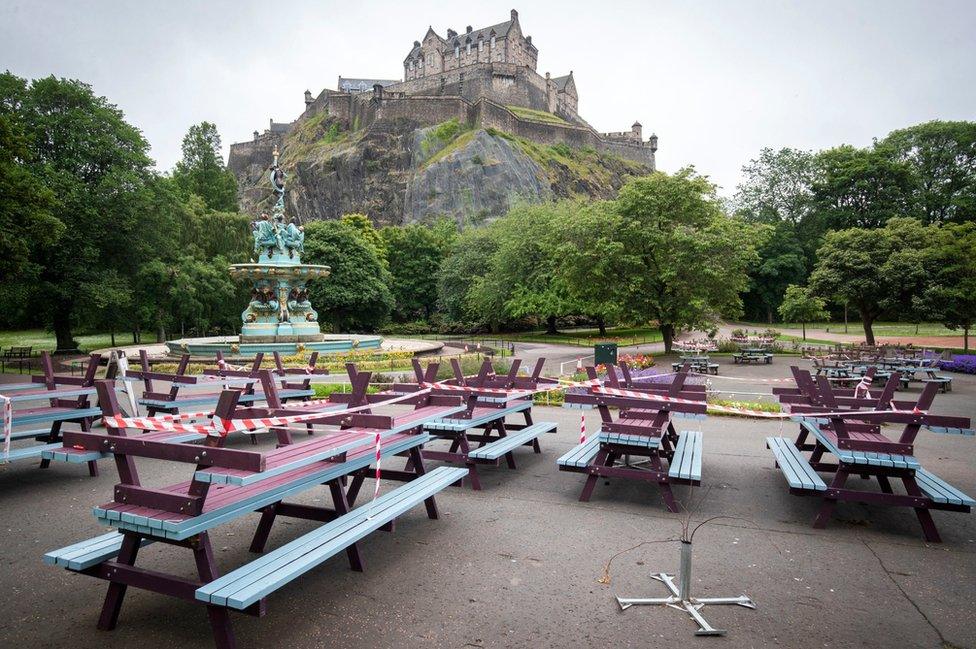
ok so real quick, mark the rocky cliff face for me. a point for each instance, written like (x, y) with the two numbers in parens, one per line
(398, 172)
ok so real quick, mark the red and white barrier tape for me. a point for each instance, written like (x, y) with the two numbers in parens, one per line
(582, 427)
(221, 427)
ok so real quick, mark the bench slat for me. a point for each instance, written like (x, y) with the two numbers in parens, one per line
(686, 462)
(581, 454)
(254, 581)
(941, 491)
(501, 446)
(797, 470)
(86, 554)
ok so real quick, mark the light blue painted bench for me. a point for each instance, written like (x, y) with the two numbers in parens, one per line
(797, 470)
(941, 491)
(256, 580)
(687, 459)
(498, 448)
(91, 552)
(581, 455)
(458, 425)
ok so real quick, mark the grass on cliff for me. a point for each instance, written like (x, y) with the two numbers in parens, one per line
(445, 138)
(585, 163)
(537, 115)
(313, 137)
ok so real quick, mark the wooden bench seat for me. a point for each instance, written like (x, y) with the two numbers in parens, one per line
(85, 554)
(687, 459)
(479, 417)
(52, 414)
(227, 502)
(795, 467)
(494, 450)
(30, 452)
(941, 491)
(581, 455)
(256, 580)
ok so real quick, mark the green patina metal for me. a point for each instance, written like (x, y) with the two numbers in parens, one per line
(280, 310)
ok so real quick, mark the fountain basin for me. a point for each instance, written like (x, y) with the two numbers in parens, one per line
(232, 346)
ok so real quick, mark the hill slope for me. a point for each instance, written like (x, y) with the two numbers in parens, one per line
(398, 172)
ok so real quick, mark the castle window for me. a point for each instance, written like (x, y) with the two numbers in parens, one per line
(467, 49)
(457, 52)
(492, 42)
(481, 45)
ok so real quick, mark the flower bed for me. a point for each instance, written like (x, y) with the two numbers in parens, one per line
(965, 363)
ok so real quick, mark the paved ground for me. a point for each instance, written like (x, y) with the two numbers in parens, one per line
(517, 564)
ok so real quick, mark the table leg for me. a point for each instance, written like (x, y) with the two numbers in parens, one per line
(827, 509)
(116, 591)
(418, 462)
(219, 616)
(602, 459)
(268, 515)
(341, 508)
(929, 529)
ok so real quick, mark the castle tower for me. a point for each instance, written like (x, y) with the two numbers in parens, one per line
(637, 130)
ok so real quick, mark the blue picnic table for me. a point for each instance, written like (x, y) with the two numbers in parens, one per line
(68, 400)
(229, 483)
(849, 425)
(481, 434)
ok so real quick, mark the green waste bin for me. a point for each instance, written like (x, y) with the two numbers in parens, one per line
(605, 354)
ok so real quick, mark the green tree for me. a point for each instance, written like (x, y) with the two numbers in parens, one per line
(201, 171)
(861, 188)
(799, 305)
(588, 257)
(684, 262)
(368, 232)
(951, 294)
(776, 187)
(414, 253)
(521, 280)
(943, 158)
(98, 167)
(782, 261)
(777, 190)
(865, 268)
(26, 218)
(459, 273)
(356, 295)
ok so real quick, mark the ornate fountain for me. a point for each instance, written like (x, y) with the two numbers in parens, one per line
(279, 316)
(279, 311)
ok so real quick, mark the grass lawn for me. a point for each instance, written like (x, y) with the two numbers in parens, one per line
(855, 328)
(42, 340)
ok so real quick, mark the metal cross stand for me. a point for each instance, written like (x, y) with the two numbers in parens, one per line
(681, 598)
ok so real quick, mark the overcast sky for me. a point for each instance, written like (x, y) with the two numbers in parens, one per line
(716, 81)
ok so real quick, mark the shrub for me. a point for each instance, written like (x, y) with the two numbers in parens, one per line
(965, 363)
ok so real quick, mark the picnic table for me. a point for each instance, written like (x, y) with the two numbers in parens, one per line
(481, 434)
(18, 356)
(753, 355)
(643, 428)
(68, 401)
(173, 400)
(697, 363)
(849, 425)
(225, 484)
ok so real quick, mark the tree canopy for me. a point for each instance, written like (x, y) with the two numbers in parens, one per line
(201, 170)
